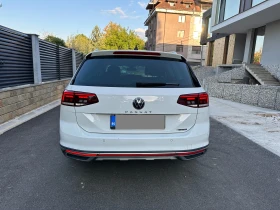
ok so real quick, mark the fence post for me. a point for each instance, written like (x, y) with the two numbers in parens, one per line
(74, 63)
(36, 59)
(58, 62)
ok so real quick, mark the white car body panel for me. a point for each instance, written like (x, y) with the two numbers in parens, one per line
(87, 128)
(96, 118)
(73, 136)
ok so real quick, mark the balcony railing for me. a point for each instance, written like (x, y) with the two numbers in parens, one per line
(152, 4)
(154, 1)
(146, 33)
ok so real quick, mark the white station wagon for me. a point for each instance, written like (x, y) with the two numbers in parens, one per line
(134, 105)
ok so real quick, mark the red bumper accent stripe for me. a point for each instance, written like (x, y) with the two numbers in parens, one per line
(80, 153)
(84, 154)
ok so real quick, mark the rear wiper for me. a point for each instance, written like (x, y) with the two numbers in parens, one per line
(155, 84)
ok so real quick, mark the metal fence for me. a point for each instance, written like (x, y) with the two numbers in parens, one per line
(17, 58)
(79, 59)
(16, 64)
(56, 61)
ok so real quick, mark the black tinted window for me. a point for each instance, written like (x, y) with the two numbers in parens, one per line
(130, 71)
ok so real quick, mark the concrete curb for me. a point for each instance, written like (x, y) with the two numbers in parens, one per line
(27, 116)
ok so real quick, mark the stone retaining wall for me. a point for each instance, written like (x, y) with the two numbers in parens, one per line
(204, 72)
(221, 86)
(229, 76)
(20, 100)
(262, 96)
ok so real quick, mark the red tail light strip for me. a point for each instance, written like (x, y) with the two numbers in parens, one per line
(83, 154)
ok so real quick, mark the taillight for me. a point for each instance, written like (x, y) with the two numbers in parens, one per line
(72, 98)
(197, 100)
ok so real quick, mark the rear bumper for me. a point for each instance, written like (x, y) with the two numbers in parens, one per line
(74, 137)
(91, 155)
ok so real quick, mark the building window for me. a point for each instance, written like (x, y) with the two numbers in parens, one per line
(197, 20)
(196, 49)
(218, 11)
(255, 2)
(229, 8)
(179, 48)
(172, 4)
(180, 34)
(182, 19)
(258, 45)
(195, 35)
(209, 34)
(198, 24)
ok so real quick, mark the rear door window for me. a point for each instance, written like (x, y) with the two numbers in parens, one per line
(130, 71)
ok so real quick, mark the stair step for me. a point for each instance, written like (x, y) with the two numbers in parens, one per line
(251, 67)
(272, 84)
(265, 76)
(257, 67)
(259, 70)
(276, 84)
(268, 78)
(271, 81)
(262, 73)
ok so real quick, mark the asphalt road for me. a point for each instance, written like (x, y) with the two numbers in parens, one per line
(234, 174)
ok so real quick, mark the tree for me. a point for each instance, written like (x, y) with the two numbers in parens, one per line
(80, 42)
(116, 37)
(113, 37)
(96, 36)
(55, 40)
(257, 57)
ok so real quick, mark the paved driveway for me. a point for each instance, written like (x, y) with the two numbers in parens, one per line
(234, 174)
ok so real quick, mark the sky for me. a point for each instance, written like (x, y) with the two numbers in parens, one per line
(67, 17)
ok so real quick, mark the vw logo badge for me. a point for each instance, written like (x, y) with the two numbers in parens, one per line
(138, 103)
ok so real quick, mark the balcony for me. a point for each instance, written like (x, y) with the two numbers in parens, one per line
(255, 17)
(152, 4)
(146, 33)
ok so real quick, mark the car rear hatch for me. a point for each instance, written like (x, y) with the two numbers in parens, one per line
(135, 94)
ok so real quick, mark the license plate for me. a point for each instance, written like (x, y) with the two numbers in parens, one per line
(137, 122)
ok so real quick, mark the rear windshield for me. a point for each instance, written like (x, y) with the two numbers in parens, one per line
(134, 72)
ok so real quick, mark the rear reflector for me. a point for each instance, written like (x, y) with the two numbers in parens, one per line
(136, 53)
(72, 98)
(169, 154)
(197, 100)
